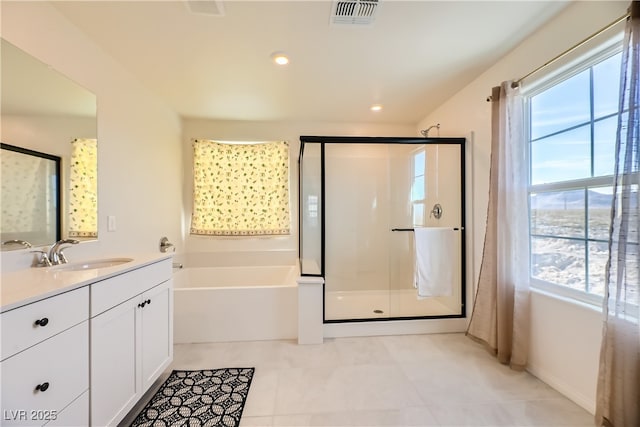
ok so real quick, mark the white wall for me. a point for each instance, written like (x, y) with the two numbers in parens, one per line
(50, 134)
(139, 137)
(565, 337)
(209, 250)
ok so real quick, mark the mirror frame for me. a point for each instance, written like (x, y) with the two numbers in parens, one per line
(58, 181)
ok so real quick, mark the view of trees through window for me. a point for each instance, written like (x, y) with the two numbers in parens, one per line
(572, 148)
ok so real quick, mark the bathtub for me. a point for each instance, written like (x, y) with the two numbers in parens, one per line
(217, 304)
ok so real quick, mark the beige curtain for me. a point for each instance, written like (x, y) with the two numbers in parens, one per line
(618, 396)
(500, 316)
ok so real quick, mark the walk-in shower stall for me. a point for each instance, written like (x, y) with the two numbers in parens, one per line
(379, 215)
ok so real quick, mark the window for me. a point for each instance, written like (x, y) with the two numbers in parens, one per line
(418, 187)
(572, 132)
(240, 189)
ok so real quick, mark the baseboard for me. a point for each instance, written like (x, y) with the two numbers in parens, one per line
(562, 387)
(400, 327)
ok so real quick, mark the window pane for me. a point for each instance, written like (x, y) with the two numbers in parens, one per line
(598, 254)
(632, 206)
(418, 214)
(558, 213)
(606, 82)
(604, 140)
(417, 189)
(600, 212)
(564, 249)
(562, 106)
(418, 164)
(559, 261)
(562, 157)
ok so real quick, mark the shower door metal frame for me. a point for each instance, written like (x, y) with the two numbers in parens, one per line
(323, 140)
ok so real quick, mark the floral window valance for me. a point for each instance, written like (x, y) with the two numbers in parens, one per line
(240, 189)
(83, 188)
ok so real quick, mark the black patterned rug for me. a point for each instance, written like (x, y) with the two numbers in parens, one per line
(213, 397)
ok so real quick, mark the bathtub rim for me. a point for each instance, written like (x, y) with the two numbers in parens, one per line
(183, 277)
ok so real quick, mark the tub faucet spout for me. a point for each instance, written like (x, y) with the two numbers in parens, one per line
(55, 253)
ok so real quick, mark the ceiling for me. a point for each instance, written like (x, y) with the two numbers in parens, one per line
(414, 56)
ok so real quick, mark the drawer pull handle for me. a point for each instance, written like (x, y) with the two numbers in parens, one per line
(143, 303)
(42, 387)
(42, 322)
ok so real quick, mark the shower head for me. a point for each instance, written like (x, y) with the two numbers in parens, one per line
(425, 132)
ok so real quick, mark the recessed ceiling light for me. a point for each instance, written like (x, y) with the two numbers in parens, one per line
(376, 107)
(280, 58)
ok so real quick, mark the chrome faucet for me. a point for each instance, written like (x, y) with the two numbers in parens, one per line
(55, 253)
(42, 260)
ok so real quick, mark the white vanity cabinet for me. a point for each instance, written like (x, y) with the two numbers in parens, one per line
(80, 346)
(45, 361)
(131, 338)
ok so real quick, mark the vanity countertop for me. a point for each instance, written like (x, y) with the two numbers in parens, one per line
(18, 288)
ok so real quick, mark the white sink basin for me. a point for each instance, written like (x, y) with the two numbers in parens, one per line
(91, 265)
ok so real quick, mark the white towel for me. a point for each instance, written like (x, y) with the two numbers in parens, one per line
(435, 255)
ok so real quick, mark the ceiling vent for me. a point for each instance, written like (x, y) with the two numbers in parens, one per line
(354, 12)
(206, 7)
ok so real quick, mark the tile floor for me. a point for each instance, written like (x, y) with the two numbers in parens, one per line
(411, 380)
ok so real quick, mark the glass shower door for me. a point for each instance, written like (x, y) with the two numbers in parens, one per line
(427, 183)
(375, 195)
(357, 218)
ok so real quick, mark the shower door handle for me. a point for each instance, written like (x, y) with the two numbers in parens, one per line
(411, 229)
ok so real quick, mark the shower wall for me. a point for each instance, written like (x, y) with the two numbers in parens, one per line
(443, 185)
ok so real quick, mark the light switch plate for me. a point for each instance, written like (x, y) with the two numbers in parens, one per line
(111, 223)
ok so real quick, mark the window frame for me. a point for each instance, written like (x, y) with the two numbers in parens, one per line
(593, 57)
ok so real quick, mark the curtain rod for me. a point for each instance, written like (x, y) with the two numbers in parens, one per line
(571, 49)
(566, 52)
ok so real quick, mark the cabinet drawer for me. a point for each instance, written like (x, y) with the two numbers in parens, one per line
(61, 363)
(76, 414)
(113, 291)
(19, 328)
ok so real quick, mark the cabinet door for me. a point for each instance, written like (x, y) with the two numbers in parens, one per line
(115, 378)
(157, 332)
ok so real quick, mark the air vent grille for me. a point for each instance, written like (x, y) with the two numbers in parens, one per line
(354, 12)
(206, 7)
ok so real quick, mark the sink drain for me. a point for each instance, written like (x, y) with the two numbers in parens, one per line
(378, 311)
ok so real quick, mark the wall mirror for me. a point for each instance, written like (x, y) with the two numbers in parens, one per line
(45, 117)
(30, 183)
